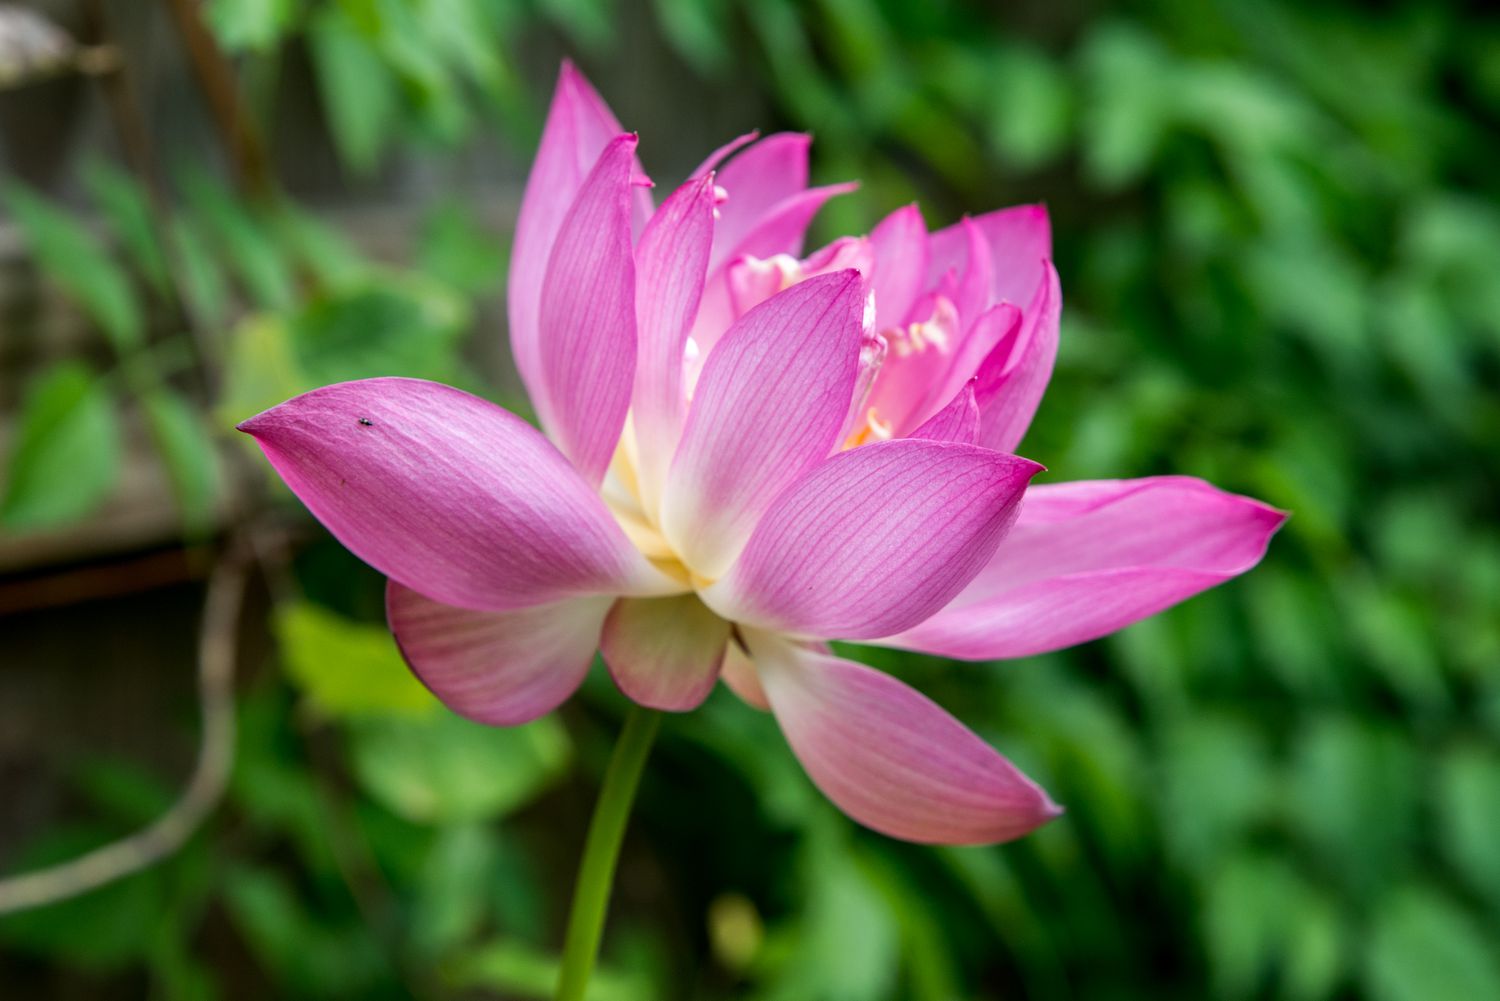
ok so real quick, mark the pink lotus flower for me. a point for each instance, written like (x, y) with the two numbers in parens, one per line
(747, 453)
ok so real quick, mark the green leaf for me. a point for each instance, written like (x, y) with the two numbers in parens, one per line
(444, 769)
(1129, 105)
(359, 91)
(72, 257)
(188, 452)
(697, 32)
(1395, 634)
(250, 25)
(200, 280)
(1424, 948)
(319, 249)
(127, 208)
(1243, 918)
(347, 668)
(394, 325)
(1468, 799)
(1355, 783)
(305, 953)
(1216, 784)
(455, 249)
(1314, 949)
(845, 945)
(66, 456)
(453, 892)
(1030, 127)
(243, 239)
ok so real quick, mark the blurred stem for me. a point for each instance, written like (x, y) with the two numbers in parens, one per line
(596, 873)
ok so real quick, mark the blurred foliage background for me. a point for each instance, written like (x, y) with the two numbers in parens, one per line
(1279, 238)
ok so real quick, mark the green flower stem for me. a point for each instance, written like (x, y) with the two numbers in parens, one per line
(596, 874)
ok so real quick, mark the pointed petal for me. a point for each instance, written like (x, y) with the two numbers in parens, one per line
(449, 494)
(974, 290)
(770, 404)
(756, 180)
(664, 652)
(899, 246)
(958, 421)
(1018, 239)
(1010, 383)
(499, 668)
(579, 126)
(587, 319)
(1085, 559)
(671, 263)
(890, 757)
(1000, 324)
(780, 231)
(718, 156)
(782, 228)
(882, 534)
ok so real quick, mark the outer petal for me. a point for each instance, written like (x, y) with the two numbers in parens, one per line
(874, 540)
(900, 250)
(770, 403)
(579, 126)
(500, 668)
(1085, 559)
(1010, 383)
(664, 652)
(588, 338)
(890, 757)
(671, 263)
(1019, 240)
(449, 495)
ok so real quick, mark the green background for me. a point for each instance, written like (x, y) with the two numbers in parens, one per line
(1279, 242)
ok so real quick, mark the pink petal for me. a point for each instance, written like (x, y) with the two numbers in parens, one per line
(664, 652)
(739, 676)
(782, 228)
(1000, 324)
(588, 336)
(449, 495)
(671, 262)
(500, 668)
(752, 281)
(975, 288)
(890, 757)
(899, 246)
(874, 540)
(779, 231)
(917, 363)
(872, 351)
(1018, 239)
(1010, 382)
(958, 421)
(756, 180)
(770, 403)
(579, 126)
(1085, 559)
(718, 156)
